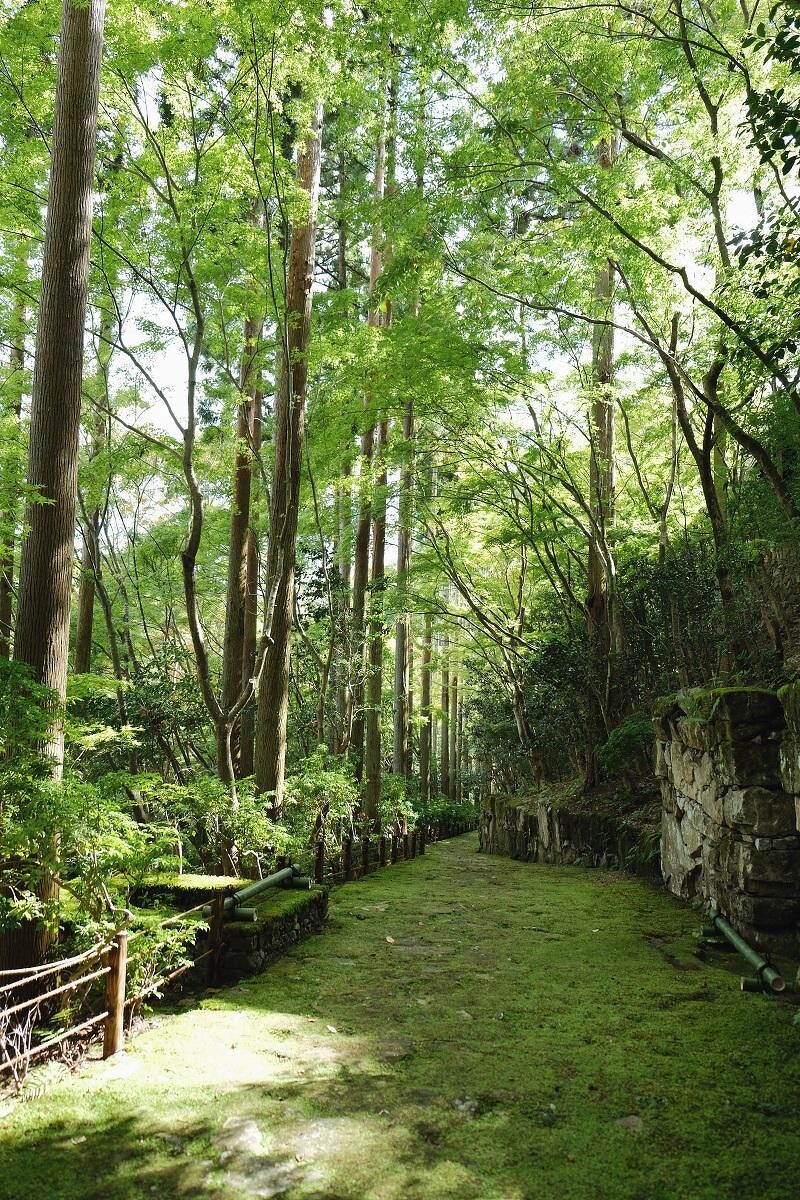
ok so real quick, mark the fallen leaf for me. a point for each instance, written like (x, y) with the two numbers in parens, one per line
(331, 1029)
(390, 940)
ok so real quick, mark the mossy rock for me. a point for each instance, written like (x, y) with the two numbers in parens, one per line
(185, 890)
(665, 705)
(789, 697)
(747, 710)
(279, 902)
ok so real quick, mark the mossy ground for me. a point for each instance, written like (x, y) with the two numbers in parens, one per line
(487, 1052)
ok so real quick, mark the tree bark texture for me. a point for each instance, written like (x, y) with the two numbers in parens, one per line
(16, 367)
(233, 646)
(251, 606)
(425, 730)
(444, 735)
(373, 756)
(453, 767)
(290, 406)
(45, 585)
(402, 656)
(361, 549)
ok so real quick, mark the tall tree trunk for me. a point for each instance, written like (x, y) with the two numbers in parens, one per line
(425, 731)
(453, 767)
(251, 605)
(233, 645)
(601, 614)
(410, 703)
(461, 755)
(444, 726)
(360, 580)
(290, 407)
(373, 757)
(84, 626)
(703, 455)
(361, 550)
(402, 635)
(45, 585)
(340, 739)
(601, 502)
(16, 367)
(344, 691)
(434, 769)
(93, 523)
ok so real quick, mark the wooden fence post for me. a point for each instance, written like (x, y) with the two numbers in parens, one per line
(114, 1028)
(394, 848)
(319, 861)
(365, 856)
(347, 857)
(406, 853)
(382, 851)
(422, 840)
(413, 843)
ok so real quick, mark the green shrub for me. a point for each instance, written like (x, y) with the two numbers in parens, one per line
(626, 747)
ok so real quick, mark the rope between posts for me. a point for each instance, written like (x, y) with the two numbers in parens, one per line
(36, 973)
(27, 1055)
(65, 987)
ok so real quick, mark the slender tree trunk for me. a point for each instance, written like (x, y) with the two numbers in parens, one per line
(93, 525)
(16, 365)
(290, 406)
(702, 453)
(410, 753)
(444, 727)
(603, 632)
(434, 770)
(84, 626)
(344, 690)
(233, 645)
(402, 635)
(425, 731)
(360, 580)
(341, 734)
(601, 501)
(461, 754)
(453, 723)
(361, 551)
(373, 755)
(45, 585)
(251, 605)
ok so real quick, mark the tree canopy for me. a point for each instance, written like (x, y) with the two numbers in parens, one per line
(439, 411)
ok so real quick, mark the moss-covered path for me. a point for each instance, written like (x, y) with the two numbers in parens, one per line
(468, 1027)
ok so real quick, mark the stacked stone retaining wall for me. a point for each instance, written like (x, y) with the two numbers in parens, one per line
(282, 919)
(729, 764)
(612, 832)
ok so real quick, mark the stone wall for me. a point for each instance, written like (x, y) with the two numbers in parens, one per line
(595, 832)
(283, 917)
(729, 764)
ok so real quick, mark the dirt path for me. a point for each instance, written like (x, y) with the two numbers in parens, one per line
(468, 1028)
